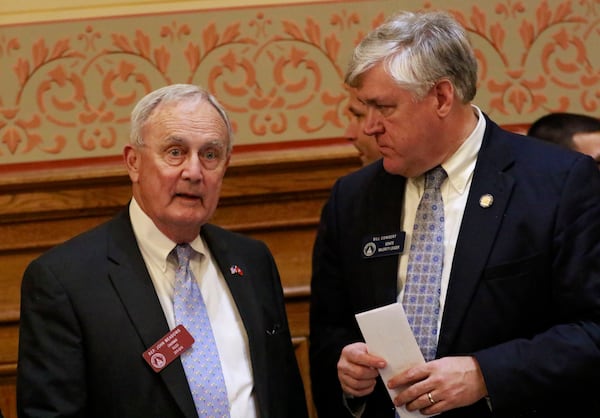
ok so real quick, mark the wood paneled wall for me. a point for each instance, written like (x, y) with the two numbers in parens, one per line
(275, 196)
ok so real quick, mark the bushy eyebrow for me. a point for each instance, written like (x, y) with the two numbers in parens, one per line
(356, 111)
(181, 140)
(216, 143)
(376, 101)
(174, 140)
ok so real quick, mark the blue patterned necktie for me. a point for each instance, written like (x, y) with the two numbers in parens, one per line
(421, 299)
(201, 362)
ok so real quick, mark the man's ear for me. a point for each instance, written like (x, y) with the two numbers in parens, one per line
(132, 161)
(444, 94)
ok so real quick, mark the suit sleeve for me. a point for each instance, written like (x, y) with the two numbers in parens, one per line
(563, 360)
(50, 375)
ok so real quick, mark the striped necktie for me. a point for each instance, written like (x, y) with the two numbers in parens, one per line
(201, 362)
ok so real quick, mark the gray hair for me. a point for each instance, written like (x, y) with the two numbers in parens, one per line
(417, 50)
(173, 93)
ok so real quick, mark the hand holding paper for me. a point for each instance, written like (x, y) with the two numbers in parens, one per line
(388, 335)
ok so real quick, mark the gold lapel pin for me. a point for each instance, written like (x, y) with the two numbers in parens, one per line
(486, 200)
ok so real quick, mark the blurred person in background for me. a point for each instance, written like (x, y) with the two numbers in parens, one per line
(570, 130)
(366, 145)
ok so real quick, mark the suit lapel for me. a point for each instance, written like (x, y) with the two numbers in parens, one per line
(240, 285)
(383, 217)
(132, 282)
(477, 232)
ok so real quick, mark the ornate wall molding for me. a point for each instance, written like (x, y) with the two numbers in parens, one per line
(68, 86)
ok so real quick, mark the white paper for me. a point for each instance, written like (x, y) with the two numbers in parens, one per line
(389, 336)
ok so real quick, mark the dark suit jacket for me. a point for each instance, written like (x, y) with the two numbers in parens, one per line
(524, 289)
(89, 310)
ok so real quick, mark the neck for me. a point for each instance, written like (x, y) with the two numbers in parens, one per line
(464, 122)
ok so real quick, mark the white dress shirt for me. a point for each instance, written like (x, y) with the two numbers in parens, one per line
(228, 329)
(455, 190)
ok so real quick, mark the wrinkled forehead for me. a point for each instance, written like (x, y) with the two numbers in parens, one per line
(193, 115)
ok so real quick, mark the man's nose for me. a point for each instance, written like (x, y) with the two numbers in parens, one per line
(372, 123)
(192, 169)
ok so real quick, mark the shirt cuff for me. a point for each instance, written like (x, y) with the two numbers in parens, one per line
(356, 406)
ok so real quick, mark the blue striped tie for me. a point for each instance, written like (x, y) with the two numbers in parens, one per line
(201, 362)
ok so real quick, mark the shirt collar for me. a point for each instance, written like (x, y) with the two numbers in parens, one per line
(461, 164)
(152, 241)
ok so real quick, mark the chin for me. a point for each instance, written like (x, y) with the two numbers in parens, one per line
(189, 216)
(393, 167)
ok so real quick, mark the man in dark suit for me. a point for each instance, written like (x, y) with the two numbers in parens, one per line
(516, 311)
(93, 306)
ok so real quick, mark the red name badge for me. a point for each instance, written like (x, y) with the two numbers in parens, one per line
(168, 348)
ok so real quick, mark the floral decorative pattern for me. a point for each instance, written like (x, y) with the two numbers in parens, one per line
(69, 86)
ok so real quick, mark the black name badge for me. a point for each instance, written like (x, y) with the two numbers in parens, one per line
(383, 244)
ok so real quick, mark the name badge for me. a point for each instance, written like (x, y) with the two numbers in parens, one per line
(168, 348)
(382, 245)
